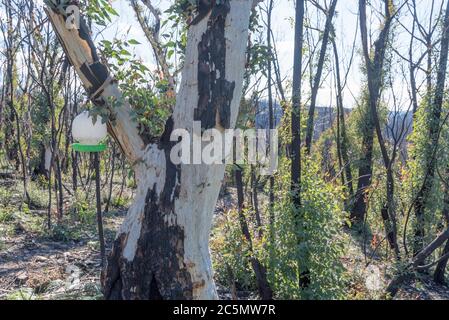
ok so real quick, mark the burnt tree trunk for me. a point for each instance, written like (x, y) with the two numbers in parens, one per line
(259, 269)
(342, 137)
(375, 71)
(296, 127)
(440, 269)
(162, 248)
(424, 193)
(359, 206)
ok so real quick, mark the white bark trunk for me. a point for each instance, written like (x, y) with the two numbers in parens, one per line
(162, 248)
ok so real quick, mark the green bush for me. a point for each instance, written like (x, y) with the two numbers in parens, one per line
(21, 294)
(6, 196)
(309, 240)
(64, 233)
(84, 211)
(119, 202)
(230, 253)
(38, 198)
(6, 215)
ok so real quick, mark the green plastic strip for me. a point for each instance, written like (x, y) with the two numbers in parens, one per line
(89, 148)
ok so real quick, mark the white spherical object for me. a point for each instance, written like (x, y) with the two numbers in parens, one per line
(84, 130)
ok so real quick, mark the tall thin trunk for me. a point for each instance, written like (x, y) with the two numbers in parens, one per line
(342, 136)
(15, 151)
(259, 269)
(296, 129)
(365, 170)
(412, 70)
(375, 68)
(317, 79)
(255, 201)
(59, 189)
(111, 182)
(440, 269)
(424, 193)
(272, 217)
(99, 212)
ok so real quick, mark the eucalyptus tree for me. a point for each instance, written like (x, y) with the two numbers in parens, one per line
(11, 31)
(161, 250)
(374, 60)
(375, 79)
(296, 116)
(435, 121)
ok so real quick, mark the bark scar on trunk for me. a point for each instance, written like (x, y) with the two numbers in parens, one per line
(157, 270)
(173, 172)
(161, 267)
(215, 92)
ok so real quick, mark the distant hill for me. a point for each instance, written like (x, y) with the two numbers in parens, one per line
(262, 115)
(399, 123)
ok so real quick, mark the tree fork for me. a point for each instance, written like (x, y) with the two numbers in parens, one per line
(162, 250)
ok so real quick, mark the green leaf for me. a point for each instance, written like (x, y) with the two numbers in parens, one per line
(133, 42)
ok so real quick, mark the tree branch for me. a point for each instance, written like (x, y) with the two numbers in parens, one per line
(81, 51)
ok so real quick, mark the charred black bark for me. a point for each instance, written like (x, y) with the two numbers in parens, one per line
(39, 169)
(358, 209)
(96, 73)
(203, 9)
(173, 172)
(156, 272)
(423, 197)
(215, 92)
(296, 125)
(265, 291)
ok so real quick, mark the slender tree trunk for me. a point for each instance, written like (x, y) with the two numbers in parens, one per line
(255, 198)
(74, 154)
(99, 212)
(259, 269)
(440, 269)
(412, 70)
(14, 148)
(429, 63)
(10, 128)
(318, 74)
(342, 136)
(358, 209)
(111, 182)
(375, 69)
(303, 278)
(434, 127)
(272, 218)
(60, 194)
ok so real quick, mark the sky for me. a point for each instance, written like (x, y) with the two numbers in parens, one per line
(283, 14)
(346, 23)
